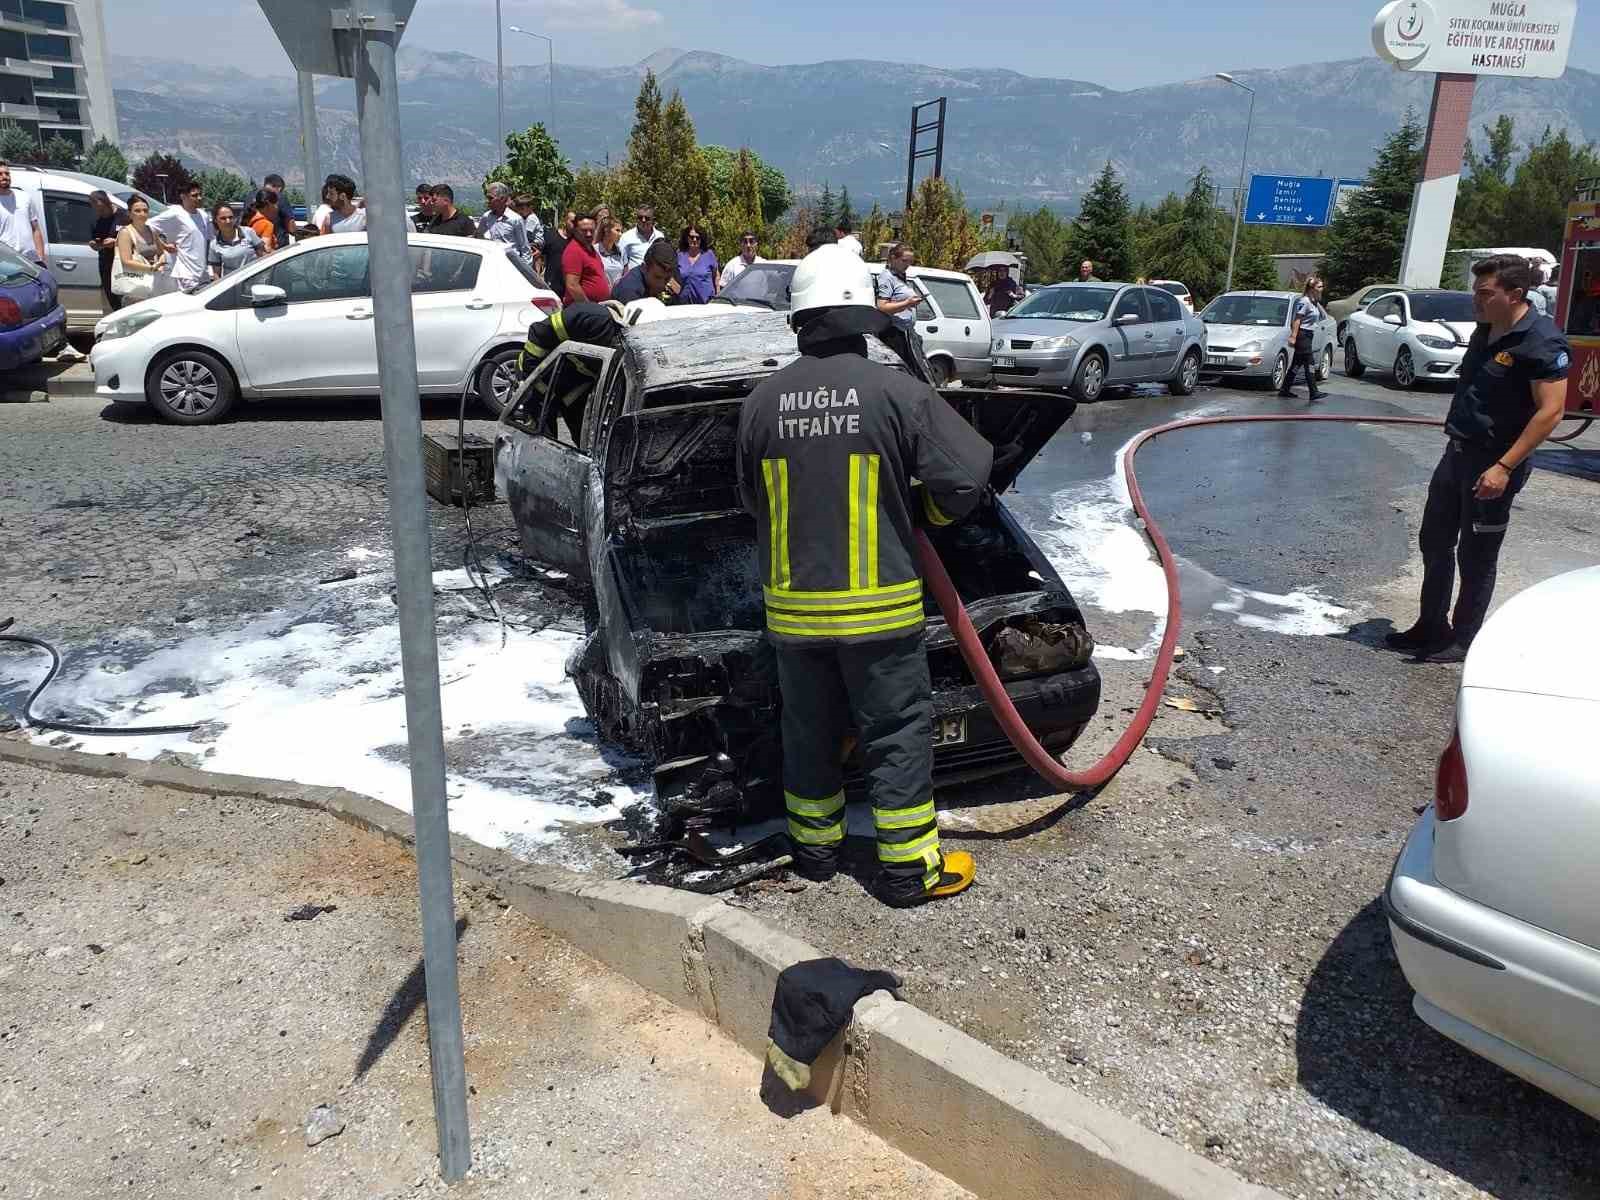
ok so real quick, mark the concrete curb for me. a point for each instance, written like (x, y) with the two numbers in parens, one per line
(992, 1125)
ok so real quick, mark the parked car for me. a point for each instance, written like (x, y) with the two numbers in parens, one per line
(1084, 337)
(69, 220)
(641, 507)
(1247, 336)
(1416, 336)
(1491, 904)
(33, 322)
(952, 318)
(1176, 288)
(299, 323)
(1357, 300)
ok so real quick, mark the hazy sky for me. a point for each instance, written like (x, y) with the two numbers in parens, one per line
(1119, 43)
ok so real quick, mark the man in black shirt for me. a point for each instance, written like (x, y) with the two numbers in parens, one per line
(1509, 398)
(107, 220)
(447, 219)
(656, 276)
(555, 245)
(283, 226)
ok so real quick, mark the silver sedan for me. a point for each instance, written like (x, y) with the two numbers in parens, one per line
(1247, 334)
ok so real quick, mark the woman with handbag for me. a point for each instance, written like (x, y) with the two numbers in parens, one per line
(1302, 335)
(139, 255)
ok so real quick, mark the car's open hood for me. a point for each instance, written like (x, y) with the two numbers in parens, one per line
(680, 461)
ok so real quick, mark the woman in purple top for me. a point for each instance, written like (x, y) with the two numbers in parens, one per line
(698, 268)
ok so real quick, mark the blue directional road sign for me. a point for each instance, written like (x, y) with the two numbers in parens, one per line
(1289, 200)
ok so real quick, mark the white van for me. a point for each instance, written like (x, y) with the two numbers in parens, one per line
(69, 219)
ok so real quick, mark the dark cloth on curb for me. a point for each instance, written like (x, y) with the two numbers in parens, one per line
(811, 1004)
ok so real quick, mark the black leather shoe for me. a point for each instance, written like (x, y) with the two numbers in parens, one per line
(1419, 639)
(817, 870)
(1289, 395)
(1455, 652)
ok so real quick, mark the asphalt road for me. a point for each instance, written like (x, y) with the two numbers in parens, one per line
(1200, 944)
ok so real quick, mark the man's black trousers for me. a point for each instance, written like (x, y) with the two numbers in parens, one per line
(1458, 529)
(881, 690)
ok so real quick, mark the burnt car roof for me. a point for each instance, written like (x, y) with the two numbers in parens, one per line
(664, 353)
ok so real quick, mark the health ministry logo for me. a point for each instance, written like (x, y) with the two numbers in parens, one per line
(1404, 30)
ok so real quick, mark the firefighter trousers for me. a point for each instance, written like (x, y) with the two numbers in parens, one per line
(881, 690)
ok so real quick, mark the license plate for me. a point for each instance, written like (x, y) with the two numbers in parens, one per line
(54, 338)
(1216, 360)
(949, 731)
(1004, 360)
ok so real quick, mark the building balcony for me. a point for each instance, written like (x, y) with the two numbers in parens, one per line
(50, 123)
(54, 93)
(18, 24)
(26, 67)
(24, 112)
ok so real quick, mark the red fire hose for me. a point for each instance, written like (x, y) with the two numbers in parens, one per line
(994, 692)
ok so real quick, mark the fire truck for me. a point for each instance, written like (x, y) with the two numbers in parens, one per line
(1577, 308)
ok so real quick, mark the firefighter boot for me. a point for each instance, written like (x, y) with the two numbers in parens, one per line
(956, 872)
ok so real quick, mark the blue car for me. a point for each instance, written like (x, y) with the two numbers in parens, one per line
(33, 322)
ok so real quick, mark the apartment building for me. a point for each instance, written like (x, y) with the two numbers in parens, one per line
(55, 70)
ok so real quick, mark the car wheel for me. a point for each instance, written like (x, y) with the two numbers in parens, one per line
(1325, 363)
(191, 387)
(1188, 376)
(1405, 368)
(1280, 371)
(938, 372)
(1090, 380)
(1353, 366)
(1338, 333)
(497, 379)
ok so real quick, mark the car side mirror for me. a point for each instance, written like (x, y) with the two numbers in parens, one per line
(1127, 318)
(264, 295)
(1392, 319)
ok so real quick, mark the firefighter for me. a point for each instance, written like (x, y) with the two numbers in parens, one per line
(828, 447)
(596, 324)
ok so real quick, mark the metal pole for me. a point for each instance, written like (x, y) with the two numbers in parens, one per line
(938, 145)
(308, 139)
(911, 157)
(378, 110)
(1238, 200)
(550, 77)
(500, 83)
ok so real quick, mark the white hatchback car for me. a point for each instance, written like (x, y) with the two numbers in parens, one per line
(1492, 903)
(299, 323)
(1415, 336)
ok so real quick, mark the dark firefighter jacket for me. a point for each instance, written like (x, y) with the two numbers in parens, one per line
(828, 448)
(591, 323)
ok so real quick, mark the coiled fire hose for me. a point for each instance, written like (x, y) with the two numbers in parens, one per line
(1050, 768)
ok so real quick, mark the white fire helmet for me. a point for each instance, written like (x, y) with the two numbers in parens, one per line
(831, 276)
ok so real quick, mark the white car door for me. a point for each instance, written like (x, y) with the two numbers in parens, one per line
(455, 312)
(1374, 336)
(960, 327)
(319, 337)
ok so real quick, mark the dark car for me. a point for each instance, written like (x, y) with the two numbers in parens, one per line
(641, 505)
(33, 322)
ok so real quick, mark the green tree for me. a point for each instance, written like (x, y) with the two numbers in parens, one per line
(62, 153)
(1046, 239)
(105, 160)
(217, 186)
(846, 214)
(1253, 269)
(593, 186)
(148, 177)
(17, 145)
(664, 166)
(775, 195)
(825, 208)
(1481, 202)
(1367, 236)
(1102, 232)
(1544, 184)
(789, 240)
(739, 210)
(874, 231)
(534, 164)
(939, 227)
(1192, 249)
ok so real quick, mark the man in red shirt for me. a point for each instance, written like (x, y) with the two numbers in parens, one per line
(581, 264)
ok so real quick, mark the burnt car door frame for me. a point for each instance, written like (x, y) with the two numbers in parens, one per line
(546, 479)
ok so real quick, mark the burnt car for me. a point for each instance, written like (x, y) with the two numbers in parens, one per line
(619, 466)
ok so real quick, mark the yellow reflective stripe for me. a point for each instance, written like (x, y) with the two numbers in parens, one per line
(826, 807)
(912, 611)
(775, 473)
(904, 818)
(844, 612)
(779, 625)
(532, 350)
(863, 521)
(912, 851)
(559, 324)
(817, 837)
(847, 598)
(934, 513)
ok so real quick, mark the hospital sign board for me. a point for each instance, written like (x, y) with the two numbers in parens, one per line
(1530, 39)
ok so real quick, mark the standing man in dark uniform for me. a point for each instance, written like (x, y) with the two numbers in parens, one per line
(595, 324)
(1510, 397)
(827, 450)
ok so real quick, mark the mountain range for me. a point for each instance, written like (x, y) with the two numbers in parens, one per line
(1010, 138)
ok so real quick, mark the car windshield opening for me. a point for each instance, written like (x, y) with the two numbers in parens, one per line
(1442, 306)
(1073, 303)
(1246, 310)
(761, 285)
